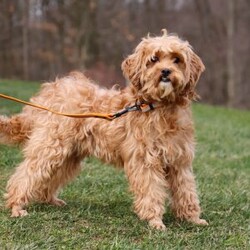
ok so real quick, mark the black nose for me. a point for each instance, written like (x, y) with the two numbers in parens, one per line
(166, 72)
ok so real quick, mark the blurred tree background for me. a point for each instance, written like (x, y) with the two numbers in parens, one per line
(41, 39)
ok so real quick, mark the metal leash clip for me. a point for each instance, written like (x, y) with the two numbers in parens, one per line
(143, 107)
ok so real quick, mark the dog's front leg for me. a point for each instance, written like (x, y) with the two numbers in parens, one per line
(185, 202)
(148, 184)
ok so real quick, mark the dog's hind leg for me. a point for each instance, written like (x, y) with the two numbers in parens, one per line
(67, 172)
(45, 154)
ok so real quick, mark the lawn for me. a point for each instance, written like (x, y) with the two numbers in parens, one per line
(99, 214)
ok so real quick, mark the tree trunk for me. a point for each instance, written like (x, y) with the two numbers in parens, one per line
(230, 55)
(25, 35)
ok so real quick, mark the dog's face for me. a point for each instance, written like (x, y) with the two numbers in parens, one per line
(163, 69)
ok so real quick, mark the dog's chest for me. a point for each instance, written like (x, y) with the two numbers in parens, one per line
(170, 139)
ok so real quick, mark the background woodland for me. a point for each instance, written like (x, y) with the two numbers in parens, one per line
(42, 39)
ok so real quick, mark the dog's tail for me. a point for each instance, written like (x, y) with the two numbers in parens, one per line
(14, 130)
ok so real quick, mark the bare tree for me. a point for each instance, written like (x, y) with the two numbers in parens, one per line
(230, 54)
(6, 38)
(25, 38)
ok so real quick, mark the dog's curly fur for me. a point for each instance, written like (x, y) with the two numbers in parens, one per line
(155, 148)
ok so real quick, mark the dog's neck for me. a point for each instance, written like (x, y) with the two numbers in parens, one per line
(170, 104)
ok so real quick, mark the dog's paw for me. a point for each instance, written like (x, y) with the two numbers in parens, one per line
(19, 213)
(200, 222)
(157, 224)
(58, 202)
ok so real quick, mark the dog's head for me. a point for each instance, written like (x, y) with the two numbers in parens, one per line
(163, 69)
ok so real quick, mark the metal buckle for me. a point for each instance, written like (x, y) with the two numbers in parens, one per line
(145, 107)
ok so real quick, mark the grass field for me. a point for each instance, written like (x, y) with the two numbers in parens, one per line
(99, 214)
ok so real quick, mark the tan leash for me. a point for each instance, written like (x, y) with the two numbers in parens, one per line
(138, 106)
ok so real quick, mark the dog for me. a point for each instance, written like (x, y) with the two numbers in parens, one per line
(155, 148)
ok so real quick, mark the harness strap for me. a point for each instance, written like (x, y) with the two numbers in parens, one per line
(138, 106)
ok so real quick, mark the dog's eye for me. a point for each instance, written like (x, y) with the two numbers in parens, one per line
(154, 59)
(177, 60)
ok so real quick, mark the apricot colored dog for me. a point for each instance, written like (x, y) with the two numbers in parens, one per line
(155, 148)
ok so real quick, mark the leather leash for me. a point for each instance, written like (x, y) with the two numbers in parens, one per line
(138, 106)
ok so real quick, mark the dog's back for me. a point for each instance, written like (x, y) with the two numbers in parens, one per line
(60, 96)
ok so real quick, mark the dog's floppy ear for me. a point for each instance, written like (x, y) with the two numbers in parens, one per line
(196, 67)
(132, 67)
(128, 67)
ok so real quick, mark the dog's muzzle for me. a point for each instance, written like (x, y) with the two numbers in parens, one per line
(164, 75)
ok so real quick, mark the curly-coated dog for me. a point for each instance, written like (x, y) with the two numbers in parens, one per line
(155, 148)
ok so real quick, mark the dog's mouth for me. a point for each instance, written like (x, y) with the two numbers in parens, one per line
(165, 79)
(166, 86)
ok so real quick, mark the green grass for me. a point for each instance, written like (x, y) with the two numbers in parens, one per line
(99, 214)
